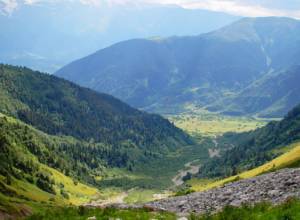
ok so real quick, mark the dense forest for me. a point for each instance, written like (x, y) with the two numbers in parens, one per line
(79, 132)
(23, 148)
(59, 107)
(250, 149)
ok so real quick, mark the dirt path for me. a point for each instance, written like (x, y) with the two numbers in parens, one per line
(118, 199)
(214, 151)
(189, 168)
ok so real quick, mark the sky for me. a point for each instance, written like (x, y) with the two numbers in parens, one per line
(247, 8)
(54, 28)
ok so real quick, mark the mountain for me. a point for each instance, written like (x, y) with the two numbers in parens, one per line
(60, 143)
(216, 70)
(121, 136)
(270, 96)
(251, 149)
(51, 39)
(27, 175)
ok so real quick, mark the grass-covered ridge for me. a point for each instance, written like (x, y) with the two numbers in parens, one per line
(290, 158)
(251, 149)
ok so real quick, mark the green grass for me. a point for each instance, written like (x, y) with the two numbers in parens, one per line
(287, 159)
(72, 213)
(140, 196)
(200, 122)
(290, 210)
(160, 172)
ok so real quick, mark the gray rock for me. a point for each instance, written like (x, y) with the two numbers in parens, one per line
(274, 187)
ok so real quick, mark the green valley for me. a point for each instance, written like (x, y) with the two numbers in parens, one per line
(202, 127)
(48, 157)
(200, 122)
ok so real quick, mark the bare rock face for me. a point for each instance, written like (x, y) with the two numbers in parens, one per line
(274, 187)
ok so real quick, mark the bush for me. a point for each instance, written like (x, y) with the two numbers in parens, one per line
(64, 194)
(45, 183)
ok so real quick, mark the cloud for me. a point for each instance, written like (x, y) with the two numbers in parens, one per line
(247, 8)
(7, 7)
(241, 8)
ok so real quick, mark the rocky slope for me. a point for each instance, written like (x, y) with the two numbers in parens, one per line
(274, 187)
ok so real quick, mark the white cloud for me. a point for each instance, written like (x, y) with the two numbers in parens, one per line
(236, 7)
(8, 6)
(247, 8)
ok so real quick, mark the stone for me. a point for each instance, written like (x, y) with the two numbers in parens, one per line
(273, 187)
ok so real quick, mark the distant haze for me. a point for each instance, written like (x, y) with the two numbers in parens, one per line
(47, 36)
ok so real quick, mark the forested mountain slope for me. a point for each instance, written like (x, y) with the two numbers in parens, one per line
(95, 132)
(251, 149)
(55, 134)
(59, 107)
(37, 168)
(215, 70)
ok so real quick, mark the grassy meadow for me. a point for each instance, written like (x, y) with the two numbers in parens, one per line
(200, 122)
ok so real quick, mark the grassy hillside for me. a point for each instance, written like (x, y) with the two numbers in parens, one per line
(85, 161)
(63, 144)
(27, 175)
(290, 158)
(251, 149)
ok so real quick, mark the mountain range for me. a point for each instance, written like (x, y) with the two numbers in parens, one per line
(88, 142)
(46, 35)
(247, 68)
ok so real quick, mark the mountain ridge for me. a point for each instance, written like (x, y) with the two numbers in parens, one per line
(203, 70)
(121, 135)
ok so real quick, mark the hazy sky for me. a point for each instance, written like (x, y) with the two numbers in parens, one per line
(253, 8)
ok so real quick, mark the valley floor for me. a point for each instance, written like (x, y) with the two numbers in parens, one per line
(199, 122)
(162, 178)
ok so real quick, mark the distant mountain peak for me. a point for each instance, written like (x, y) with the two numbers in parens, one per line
(158, 75)
(253, 29)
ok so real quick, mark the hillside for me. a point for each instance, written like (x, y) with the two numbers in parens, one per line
(61, 143)
(27, 175)
(224, 70)
(276, 93)
(59, 107)
(251, 149)
(97, 132)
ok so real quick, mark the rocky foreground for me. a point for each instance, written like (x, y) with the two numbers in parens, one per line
(274, 187)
